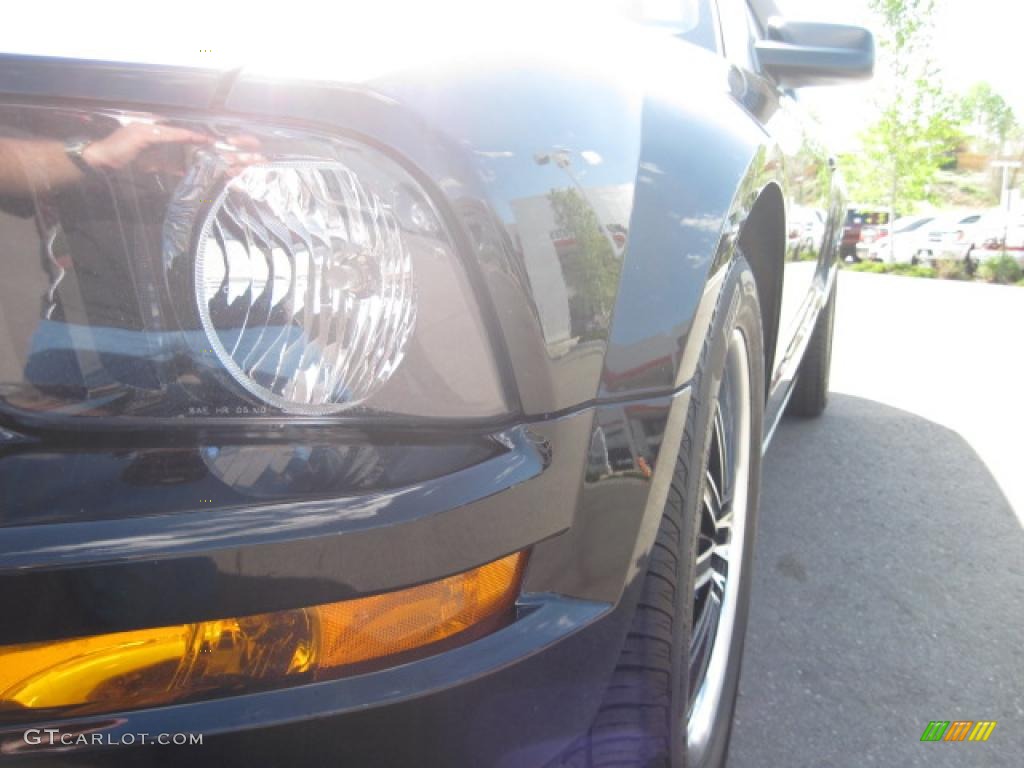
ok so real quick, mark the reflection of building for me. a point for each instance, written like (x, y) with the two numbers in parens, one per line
(644, 364)
(552, 252)
(626, 439)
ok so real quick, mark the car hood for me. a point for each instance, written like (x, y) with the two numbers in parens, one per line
(344, 42)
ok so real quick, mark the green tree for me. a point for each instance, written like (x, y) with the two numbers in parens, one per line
(988, 111)
(917, 125)
(590, 264)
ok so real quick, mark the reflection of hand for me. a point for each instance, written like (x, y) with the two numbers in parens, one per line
(245, 153)
(124, 145)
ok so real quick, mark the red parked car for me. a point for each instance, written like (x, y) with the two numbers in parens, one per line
(860, 219)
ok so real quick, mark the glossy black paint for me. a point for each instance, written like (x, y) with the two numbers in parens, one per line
(201, 477)
(251, 554)
(572, 618)
(595, 193)
(44, 78)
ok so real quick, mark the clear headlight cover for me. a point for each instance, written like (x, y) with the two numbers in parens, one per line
(215, 269)
(305, 286)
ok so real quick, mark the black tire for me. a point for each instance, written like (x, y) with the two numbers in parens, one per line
(810, 393)
(642, 719)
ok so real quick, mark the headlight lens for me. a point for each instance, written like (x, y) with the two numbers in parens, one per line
(304, 286)
(226, 270)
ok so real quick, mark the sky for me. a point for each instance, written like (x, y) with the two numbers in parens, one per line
(975, 40)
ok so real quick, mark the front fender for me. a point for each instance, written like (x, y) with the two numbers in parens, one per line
(704, 165)
(593, 212)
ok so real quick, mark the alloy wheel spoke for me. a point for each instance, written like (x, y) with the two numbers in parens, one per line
(712, 498)
(703, 630)
(718, 581)
(723, 526)
(720, 444)
(704, 569)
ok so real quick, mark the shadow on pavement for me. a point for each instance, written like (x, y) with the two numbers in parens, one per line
(888, 592)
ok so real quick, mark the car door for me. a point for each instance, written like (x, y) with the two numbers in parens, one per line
(807, 170)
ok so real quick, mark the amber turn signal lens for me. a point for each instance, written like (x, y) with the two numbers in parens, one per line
(151, 667)
(362, 630)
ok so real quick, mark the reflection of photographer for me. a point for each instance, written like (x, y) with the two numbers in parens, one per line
(66, 187)
(91, 188)
(29, 166)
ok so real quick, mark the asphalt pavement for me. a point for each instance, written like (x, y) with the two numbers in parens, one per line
(889, 580)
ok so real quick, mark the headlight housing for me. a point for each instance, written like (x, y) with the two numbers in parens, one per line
(231, 270)
(304, 285)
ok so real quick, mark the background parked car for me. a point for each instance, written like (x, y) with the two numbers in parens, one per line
(999, 232)
(953, 236)
(902, 246)
(806, 230)
(862, 221)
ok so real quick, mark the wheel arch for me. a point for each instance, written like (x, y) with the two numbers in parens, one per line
(762, 239)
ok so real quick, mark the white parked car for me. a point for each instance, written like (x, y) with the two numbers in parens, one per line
(903, 246)
(998, 232)
(953, 236)
(806, 230)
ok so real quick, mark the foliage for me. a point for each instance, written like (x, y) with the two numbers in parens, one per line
(990, 113)
(906, 21)
(962, 189)
(1003, 269)
(951, 269)
(878, 268)
(913, 270)
(875, 267)
(918, 122)
(590, 264)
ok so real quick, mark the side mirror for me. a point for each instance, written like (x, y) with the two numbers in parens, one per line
(801, 53)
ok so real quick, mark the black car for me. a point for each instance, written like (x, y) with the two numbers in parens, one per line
(408, 410)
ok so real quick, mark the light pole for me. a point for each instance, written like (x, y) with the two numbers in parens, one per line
(1006, 165)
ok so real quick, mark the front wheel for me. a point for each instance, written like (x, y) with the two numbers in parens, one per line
(671, 698)
(722, 559)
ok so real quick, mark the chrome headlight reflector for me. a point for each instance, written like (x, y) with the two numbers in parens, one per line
(304, 285)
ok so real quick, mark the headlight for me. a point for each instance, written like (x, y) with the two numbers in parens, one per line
(230, 270)
(304, 286)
